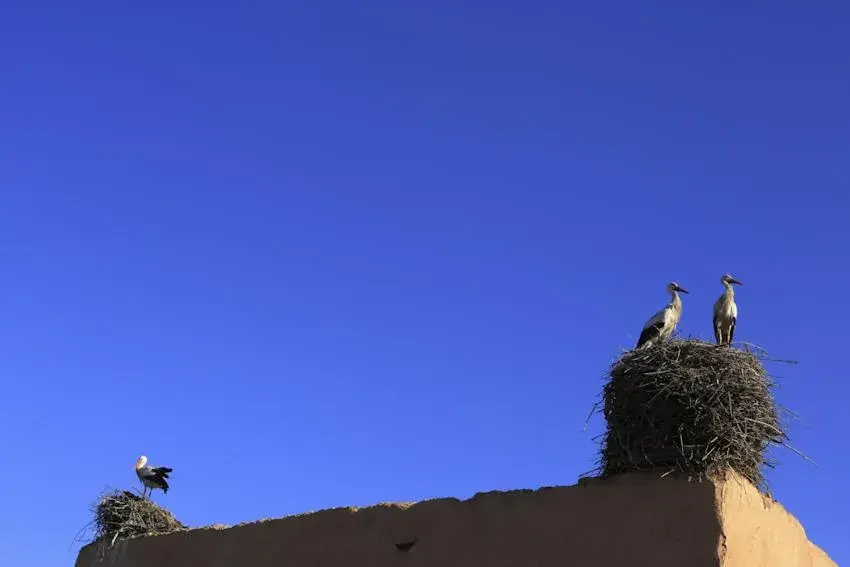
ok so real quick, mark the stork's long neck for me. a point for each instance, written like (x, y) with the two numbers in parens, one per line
(676, 301)
(729, 292)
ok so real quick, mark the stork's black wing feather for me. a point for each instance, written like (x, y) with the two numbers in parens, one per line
(732, 329)
(650, 332)
(160, 480)
(157, 480)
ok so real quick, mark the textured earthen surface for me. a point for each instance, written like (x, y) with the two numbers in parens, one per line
(636, 520)
(758, 531)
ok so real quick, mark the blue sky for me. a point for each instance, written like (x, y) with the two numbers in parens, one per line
(313, 254)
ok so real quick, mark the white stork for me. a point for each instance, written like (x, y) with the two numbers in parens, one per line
(725, 312)
(151, 477)
(663, 323)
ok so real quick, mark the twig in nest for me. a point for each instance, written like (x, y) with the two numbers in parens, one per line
(590, 415)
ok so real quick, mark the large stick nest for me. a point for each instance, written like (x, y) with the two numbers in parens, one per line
(121, 514)
(690, 407)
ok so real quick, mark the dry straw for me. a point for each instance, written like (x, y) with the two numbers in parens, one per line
(687, 406)
(121, 515)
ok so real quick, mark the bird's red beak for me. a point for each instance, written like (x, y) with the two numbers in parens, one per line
(735, 282)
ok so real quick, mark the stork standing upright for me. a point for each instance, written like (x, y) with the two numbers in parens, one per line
(726, 312)
(151, 477)
(663, 323)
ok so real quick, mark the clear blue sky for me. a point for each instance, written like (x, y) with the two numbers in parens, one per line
(313, 254)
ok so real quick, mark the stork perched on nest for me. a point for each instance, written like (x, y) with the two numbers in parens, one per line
(725, 312)
(152, 477)
(663, 323)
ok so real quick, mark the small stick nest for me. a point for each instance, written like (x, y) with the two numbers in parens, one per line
(689, 407)
(122, 514)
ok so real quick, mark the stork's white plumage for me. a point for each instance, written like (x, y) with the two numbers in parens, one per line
(663, 323)
(725, 312)
(151, 477)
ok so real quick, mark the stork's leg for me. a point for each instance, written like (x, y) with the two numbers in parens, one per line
(731, 331)
(718, 335)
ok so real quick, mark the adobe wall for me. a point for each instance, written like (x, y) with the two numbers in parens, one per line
(636, 520)
(759, 531)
